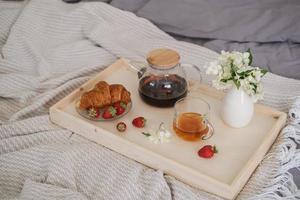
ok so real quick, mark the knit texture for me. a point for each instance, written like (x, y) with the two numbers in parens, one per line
(49, 48)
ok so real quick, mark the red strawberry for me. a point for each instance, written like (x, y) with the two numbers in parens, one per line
(207, 151)
(120, 107)
(139, 122)
(121, 126)
(110, 112)
(120, 110)
(120, 104)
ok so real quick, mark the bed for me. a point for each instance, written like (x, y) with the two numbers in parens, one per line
(263, 26)
(49, 48)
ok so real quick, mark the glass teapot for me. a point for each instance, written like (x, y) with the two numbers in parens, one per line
(163, 81)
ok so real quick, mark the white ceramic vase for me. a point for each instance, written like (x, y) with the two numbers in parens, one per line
(237, 108)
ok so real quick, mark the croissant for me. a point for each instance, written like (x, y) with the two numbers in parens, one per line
(104, 94)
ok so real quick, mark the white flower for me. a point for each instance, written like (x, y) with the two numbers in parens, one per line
(232, 69)
(237, 59)
(246, 61)
(226, 72)
(219, 85)
(225, 59)
(161, 135)
(213, 68)
(257, 74)
(246, 56)
(154, 138)
(244, 69)
(250, 79)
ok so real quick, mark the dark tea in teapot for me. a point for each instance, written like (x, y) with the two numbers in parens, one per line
(163, 81)
(162, 91)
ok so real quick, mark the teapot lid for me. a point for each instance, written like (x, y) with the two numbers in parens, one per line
(163, 58)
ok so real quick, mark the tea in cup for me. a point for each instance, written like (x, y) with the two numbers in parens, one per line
(191, 119)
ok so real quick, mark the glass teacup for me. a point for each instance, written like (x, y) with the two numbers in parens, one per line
(191, 119)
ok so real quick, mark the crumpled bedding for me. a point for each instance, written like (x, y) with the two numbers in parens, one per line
(269, 28)
(49, 49)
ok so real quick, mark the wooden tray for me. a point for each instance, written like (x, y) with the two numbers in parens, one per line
(240, 150)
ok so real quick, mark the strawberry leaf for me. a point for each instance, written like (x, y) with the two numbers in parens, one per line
(123, 105)
(215, 150)
(112, 111)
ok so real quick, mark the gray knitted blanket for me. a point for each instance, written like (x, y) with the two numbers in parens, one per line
(49, 48)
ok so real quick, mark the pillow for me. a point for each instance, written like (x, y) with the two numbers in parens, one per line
(130, 5)
(234, 20)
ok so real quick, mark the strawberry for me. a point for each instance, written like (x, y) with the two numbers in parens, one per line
(93, 112)
(120, 107)
(139, 122)
(120, 104)
(120, 110)
(110, 112)
(207, 151)
(121, 126)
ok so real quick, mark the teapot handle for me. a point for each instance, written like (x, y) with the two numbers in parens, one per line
(191, 86)
(139, 67)
(193, 67)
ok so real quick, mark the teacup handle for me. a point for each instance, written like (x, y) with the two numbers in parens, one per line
(210, 132)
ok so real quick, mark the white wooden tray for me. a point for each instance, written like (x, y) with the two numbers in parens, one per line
(240, 150)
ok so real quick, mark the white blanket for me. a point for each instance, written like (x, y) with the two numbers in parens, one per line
(48, 49)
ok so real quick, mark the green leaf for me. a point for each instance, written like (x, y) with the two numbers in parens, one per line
(232, 70)
(245, 73)
(225, 80)
(237, 83)
(263, 71)
(250, 57)
(255, 87)
(146, 134)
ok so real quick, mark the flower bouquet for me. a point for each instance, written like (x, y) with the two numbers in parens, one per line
(233, 71)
